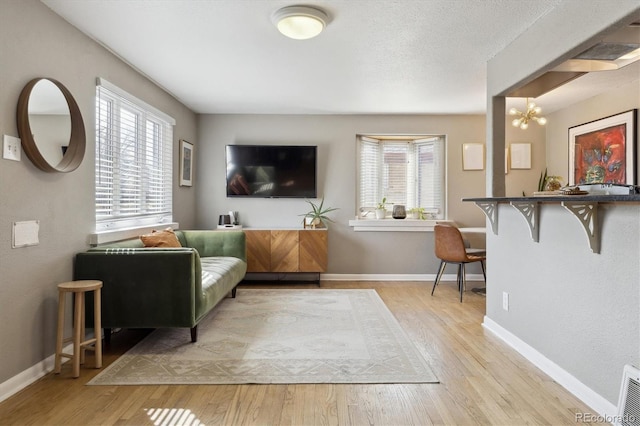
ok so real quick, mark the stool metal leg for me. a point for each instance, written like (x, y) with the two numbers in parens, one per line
(461, 279)
(438, 275)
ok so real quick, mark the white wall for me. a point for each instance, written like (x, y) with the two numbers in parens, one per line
(38, 43)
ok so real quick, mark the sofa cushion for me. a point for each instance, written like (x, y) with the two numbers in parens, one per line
(219, 276)
(164, 238)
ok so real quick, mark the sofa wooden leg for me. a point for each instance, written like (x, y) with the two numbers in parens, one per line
(194, 334)
(233, 292)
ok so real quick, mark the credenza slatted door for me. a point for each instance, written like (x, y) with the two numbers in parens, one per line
(282, 250)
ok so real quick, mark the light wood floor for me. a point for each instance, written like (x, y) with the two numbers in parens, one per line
(483, 382)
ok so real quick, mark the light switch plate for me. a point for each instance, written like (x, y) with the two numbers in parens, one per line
(11, 149)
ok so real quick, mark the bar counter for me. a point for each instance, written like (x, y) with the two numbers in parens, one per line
(583, 207)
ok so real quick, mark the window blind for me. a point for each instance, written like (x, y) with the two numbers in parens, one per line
(133, 161)
(410, 172)
(369, 184)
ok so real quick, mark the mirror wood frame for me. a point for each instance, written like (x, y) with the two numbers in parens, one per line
(77, 139)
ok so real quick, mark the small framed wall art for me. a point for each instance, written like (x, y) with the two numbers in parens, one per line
(473, 156)
(186, 163)
(520, 155)
(603, 151)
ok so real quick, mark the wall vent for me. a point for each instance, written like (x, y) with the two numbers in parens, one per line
(629, 402)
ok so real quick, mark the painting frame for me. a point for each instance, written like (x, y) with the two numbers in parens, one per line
(186, 163)
(473, 156)
(520, 155)
(595, 154)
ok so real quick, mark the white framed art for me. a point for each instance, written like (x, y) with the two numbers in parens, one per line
(520, 155)
(473, 156)
(186, 163)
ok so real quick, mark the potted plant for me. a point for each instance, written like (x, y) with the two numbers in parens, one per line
(318, 214)
(381, 211)
(418, 213)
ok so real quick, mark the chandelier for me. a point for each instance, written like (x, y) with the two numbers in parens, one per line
(524, 117)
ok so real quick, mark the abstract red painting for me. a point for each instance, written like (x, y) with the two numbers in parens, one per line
(603, 151)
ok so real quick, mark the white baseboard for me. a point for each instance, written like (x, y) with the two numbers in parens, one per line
(396, 277)
(30, 375)
(581, 391)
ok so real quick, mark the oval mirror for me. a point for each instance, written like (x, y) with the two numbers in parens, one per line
(50, 126)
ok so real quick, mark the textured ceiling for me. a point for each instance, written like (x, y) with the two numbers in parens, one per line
(375, 56)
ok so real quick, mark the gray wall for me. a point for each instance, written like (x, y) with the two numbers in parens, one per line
(579, 309)
(349, 252)
(38, 43)
(597, 303)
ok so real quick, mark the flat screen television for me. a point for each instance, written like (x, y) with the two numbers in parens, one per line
(271, 171)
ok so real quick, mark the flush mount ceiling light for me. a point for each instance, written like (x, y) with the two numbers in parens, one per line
(300, 22)
(524, 117)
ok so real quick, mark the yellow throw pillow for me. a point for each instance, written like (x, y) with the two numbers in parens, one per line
(165, 238)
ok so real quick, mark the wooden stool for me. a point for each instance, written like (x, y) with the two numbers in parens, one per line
(79, 288)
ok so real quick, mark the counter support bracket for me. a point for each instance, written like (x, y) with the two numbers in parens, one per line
(490, 209)
(530, 212)
(587, 214)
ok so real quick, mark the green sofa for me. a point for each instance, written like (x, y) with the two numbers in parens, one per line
(164, 287)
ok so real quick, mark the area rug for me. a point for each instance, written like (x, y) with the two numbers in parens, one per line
(279, 336)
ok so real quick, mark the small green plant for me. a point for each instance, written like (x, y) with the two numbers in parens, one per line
(318, 213)
(419, 211)
(542, 180)
(381, 205)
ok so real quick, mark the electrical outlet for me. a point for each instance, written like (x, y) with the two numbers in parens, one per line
(11, 148)
(505, 300)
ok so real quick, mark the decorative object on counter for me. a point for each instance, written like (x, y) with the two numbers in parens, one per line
(398, 212)
(547, 185)
(473, 156)
(573, 190)
(520, 155)
(522, 121)
(224, 219)
(553, 183)
(317, 216)
(381, 210)
(235, 218)
(603, 151)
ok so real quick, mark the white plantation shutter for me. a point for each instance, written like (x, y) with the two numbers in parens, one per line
(133, 161)
(408, 172)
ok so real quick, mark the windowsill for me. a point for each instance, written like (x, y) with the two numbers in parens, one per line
(110, 236)
(395, 225)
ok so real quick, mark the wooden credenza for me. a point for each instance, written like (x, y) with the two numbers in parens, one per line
(287, 250)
